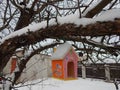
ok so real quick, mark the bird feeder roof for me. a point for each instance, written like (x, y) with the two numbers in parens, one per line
(61, 51)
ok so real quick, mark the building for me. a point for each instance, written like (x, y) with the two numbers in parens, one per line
(38, 67)
(11, 65)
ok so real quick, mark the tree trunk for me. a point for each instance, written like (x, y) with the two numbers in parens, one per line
(25, 18)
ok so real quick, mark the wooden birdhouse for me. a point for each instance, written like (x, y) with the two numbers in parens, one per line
(64, 62)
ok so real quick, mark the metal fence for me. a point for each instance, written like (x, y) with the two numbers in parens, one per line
(98, 71)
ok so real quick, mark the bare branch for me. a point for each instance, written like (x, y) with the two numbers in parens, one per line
(15, 4)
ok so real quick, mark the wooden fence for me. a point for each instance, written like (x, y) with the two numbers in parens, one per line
(100, 71)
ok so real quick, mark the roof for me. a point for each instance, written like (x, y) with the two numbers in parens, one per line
(61, 51)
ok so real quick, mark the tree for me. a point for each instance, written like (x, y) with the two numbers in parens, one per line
(25, 12)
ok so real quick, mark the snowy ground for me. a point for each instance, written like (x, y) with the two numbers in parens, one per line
(79, 84)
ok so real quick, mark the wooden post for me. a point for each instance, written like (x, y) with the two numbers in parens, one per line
(107, 73)
(83, 71)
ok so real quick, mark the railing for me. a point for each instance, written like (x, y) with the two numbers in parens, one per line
(100, 71)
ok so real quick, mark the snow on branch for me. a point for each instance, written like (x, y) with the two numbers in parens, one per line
(109, 15)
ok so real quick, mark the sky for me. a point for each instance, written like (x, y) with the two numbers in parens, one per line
(1, 1)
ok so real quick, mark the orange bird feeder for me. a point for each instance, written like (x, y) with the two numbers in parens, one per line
(64, 62)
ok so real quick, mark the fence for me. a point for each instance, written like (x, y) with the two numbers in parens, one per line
(100, 71)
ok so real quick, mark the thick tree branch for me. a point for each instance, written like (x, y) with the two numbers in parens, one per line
(58, 32)
(98, 8)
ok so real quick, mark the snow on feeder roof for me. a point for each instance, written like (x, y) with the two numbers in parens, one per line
(61, 51)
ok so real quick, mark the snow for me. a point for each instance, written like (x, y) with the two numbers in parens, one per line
(97, 39)
(7, 85)
(78, 84)
(108, 15)
(61, 51)
(9, 81)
